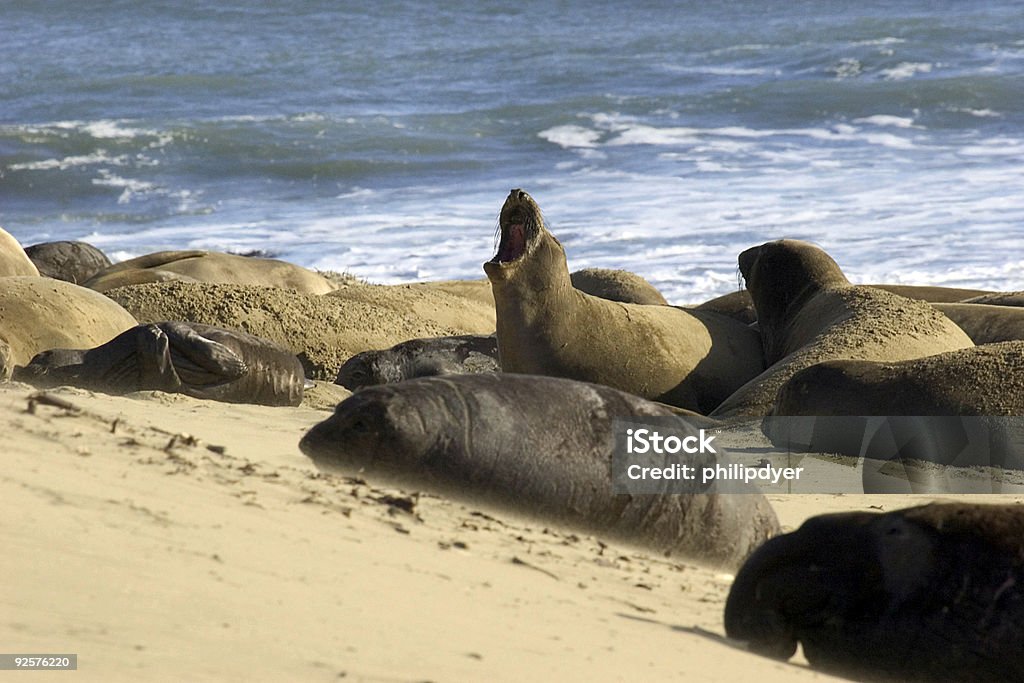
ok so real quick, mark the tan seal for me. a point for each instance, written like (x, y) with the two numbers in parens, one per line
(38, 314)
(808, 312)
(13, 259)
(210, 266)
(739, 305)
(545, 326)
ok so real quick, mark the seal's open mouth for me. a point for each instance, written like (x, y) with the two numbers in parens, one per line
(513, 243)
(519, 221)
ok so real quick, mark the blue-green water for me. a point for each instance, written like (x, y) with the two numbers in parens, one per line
(661, 137)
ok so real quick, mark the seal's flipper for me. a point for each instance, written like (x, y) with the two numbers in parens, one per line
(153, 360)
(199, 361)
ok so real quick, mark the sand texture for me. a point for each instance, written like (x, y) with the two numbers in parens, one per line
(162, 537)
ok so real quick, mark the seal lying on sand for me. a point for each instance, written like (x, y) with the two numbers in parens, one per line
(540, 446)
(39, 313)
(184, 358)
(808, 312)
(617, 285)
(69, 261)
(464, 354)
(324, 331)
(931, 593)
(740, 306)
(13, 259)
(210, 266)
(545, 326)
(984, 323)
(947, 407)
(978, 380)
(998, 299)
(607, 283)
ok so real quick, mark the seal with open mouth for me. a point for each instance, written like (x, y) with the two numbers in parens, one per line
(690, 359)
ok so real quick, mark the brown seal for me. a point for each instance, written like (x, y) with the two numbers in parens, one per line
(998, 299)
(617, 285)
(985, 323)
(808, 312)
(739, 305)
(930, 593)
(211, 266)
(39, 313)
(978, 380)
(540, 446)
(545, 326)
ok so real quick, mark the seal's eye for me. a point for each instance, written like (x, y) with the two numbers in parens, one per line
(359, 426)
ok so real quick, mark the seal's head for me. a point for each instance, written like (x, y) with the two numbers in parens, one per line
(384, 431)
(523, 238)
(782, 275)
(51, 368)
(822, 578)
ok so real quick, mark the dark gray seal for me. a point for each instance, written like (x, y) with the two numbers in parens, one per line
(463, 354)
(69, 261)
(539, 446)
(931, 593)
(186, 358)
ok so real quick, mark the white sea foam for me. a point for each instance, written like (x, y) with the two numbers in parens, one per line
(888, 120)
(97, 157)
(569, 136)
(906, 70)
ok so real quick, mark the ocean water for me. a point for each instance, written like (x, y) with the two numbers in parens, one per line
(662, 137)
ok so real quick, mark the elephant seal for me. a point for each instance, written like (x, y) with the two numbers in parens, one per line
(185, 358)
(808, 312)
(985, 323)
(215, 267)
(998, 299)
(13, 259)
(617, 285)
(69, 261)
(950, 409)
(977, 380)
(545, 326)
(38, 313)
(464, 354)
(929, 593)
(740, 306)
(607, 283)
(540, 446)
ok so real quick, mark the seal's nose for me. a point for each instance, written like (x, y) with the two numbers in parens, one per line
(516, 194)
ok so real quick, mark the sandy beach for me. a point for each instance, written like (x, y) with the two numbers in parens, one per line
(162, 537)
